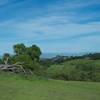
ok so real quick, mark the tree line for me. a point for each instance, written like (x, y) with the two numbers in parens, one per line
(26, 60)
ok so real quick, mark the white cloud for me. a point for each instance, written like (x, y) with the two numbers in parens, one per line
(49, 27)
(86, 44)
(57, 21)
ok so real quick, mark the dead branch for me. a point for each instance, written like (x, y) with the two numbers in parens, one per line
(17, 65)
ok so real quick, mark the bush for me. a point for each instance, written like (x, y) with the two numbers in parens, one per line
(76, 70)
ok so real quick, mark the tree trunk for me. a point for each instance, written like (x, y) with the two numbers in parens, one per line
(12, 67)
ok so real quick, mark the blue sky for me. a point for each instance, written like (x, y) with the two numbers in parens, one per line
(70, 26)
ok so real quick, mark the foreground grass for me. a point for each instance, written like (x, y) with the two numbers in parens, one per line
(13, 87)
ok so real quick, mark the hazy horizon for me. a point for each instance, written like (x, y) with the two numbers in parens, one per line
(52, 54)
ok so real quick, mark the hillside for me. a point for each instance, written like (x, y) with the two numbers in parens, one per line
(75, 70)
(13, 87)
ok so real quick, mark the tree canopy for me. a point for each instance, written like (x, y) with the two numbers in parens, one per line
(26, 57)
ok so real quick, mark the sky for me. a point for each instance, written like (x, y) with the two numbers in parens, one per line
(69, 26)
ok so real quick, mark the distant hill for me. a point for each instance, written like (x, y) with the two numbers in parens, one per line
(51, 55)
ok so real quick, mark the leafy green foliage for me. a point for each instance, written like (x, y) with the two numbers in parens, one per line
(24, 57)
(83, 70)
(29, 56)
(34, 52)
(19, 49)
(1, 61)
(6, 58)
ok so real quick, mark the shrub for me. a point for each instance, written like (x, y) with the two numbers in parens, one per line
(75, 70)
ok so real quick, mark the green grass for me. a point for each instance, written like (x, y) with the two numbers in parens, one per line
(13, 87)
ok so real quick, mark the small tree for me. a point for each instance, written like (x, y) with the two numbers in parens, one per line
(34, 52)
(6, 58)
(24, 58)
(19, 49)
(1, 61)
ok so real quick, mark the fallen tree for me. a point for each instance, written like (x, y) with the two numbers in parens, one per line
(13, 67)
(29, 55)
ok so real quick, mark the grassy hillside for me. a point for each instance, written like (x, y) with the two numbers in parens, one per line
(77, 70)
(13, 87)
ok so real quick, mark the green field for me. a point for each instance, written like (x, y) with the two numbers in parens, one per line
(14, 87)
